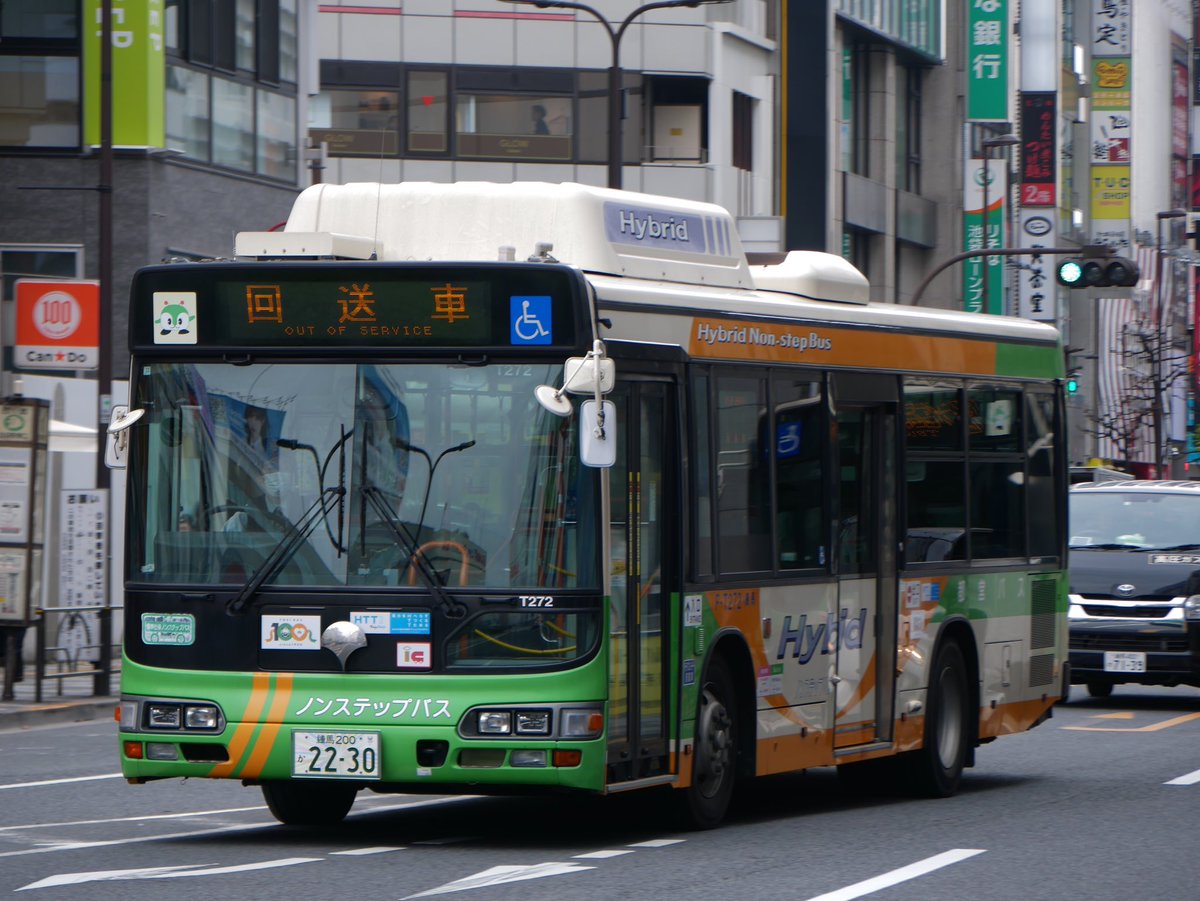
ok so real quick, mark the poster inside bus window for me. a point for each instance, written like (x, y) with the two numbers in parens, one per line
(357, 305)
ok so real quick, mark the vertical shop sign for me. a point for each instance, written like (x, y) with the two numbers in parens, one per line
(987, 60)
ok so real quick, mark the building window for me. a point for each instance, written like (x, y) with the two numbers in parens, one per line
(276, 156)
(506, 125)
(356, 123)
(743, 131)
(859, 127)
(428, 113)
(39, 96)
(187, 112)
(232, 124)
(908, 130)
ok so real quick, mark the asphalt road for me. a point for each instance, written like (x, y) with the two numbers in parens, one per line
(1099, 803)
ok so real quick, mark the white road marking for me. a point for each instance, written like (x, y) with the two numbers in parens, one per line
(359, 852)
(101, 876)
(245, 827)
(903, 874)
(154, 816)
(658, 843)
(176, 872)
(59, 781)
(602, 855)
(1190, 779)
(502, 874)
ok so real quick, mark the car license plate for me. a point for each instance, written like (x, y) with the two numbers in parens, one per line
(336, 755)
(1124, 662)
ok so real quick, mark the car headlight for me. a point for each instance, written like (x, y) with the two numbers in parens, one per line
(1191, 608)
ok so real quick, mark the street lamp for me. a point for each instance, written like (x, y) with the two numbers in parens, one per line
(614, 71)
(987, 144)
(1160, 341)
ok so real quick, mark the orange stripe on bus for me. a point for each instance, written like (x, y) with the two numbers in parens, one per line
(241, 738)
(266, 738)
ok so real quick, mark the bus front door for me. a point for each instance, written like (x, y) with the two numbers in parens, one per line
(865, 625)
(638, 710)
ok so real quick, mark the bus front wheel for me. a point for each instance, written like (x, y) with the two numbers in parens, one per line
(714, 763)
(309, 803)
(936, 769)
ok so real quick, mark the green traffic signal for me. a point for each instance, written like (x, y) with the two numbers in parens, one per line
(1106, 272)
(1072, 385)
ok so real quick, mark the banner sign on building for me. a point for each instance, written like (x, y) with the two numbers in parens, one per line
(1110, 151)
(58, 325)
(984, 209)
(1038, 151)
(987, 60)
(138, 72)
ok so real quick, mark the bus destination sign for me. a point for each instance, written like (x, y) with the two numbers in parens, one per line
(360, 306)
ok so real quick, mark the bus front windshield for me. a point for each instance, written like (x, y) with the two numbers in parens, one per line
(347, 473)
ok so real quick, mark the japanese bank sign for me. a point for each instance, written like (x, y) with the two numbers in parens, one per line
(58, 325)
(987, 60)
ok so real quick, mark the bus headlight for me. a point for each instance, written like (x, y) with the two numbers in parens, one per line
(533, 722)
(163, 716)
(1191, 608)
(201, 716)
(495, 722)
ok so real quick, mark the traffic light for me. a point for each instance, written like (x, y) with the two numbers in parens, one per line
(1072, 384)
(1098, 272)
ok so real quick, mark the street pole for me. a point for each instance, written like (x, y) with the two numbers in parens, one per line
(104, 367)
(614, 70)
(1156, 363)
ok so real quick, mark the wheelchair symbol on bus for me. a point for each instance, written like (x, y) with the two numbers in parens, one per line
(531, 319)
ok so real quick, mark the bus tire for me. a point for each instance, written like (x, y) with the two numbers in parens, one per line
(936, 769)
(1100, 689)
(309, 803)
(714, 760)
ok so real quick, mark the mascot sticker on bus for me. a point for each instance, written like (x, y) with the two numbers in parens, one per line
(174, 317)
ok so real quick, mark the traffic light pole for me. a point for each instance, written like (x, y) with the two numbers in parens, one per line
(993, 252)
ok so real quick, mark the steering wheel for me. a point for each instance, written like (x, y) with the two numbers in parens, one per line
(463, 569)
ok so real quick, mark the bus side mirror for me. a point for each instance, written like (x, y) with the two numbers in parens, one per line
(116, 448)
(598, 433)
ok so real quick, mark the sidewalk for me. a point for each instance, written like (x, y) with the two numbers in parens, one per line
(76, 702)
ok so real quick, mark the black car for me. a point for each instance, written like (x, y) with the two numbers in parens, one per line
(1135, 584)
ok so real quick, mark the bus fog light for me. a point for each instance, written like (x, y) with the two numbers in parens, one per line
(533, 722)
(495, 722)
(585, 722)
(161, 750)
(527, 757)
(200, 716)
(163, 716)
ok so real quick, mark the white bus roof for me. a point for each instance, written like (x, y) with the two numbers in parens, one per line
(599, 230)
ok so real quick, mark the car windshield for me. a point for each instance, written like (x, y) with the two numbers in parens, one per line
(1134, 519)
(334, 474)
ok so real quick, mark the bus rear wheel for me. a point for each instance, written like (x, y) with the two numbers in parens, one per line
(714, 762)
(936, 769)
(296, 803)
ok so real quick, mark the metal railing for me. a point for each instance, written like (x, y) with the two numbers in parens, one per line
(68, 662)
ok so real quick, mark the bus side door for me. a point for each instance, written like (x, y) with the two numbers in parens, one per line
(642, 573)
(866, 546)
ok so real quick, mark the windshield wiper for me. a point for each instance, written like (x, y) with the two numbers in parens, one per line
(1111, 546)
(453, 608)
(296, 535)
(1176, 547)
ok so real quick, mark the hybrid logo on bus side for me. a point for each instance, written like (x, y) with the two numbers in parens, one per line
(806, 637)
(650, 227)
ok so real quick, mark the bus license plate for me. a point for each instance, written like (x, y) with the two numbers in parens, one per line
(335, 755)
(1124, 662)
